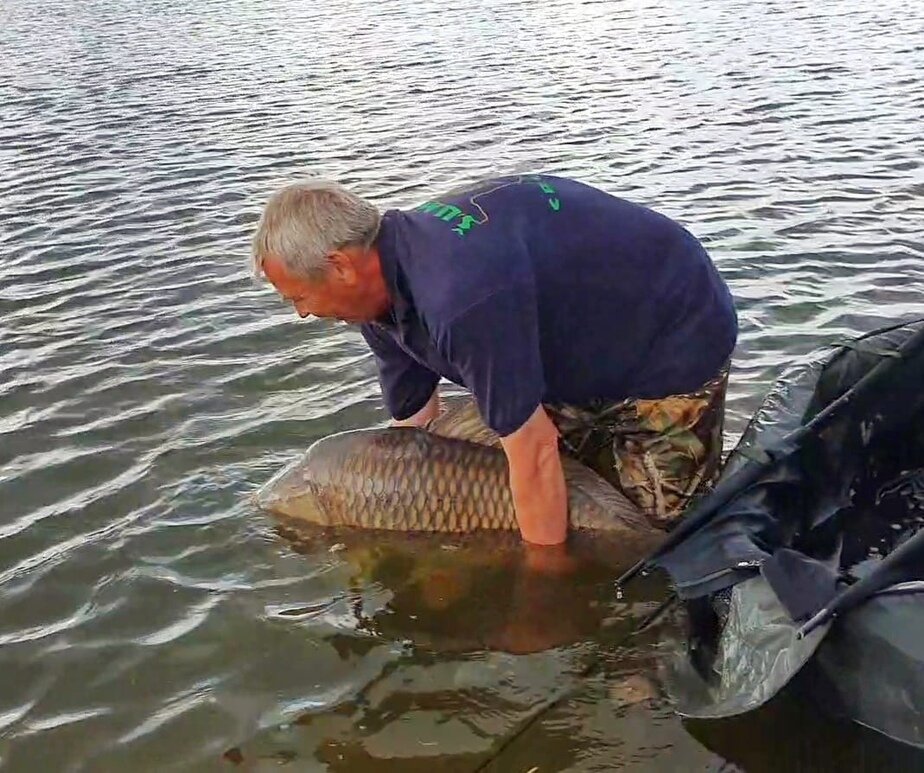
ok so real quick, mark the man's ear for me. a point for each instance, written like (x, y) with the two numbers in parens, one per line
(343, 267)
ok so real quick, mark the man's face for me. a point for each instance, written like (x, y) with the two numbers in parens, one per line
(340, 293)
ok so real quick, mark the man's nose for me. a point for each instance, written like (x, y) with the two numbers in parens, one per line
(302, 310)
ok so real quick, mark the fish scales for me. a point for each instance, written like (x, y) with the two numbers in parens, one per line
(408, 479)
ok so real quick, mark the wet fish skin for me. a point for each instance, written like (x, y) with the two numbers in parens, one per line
(408, 479)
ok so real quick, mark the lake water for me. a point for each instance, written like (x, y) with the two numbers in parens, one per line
(150, 618)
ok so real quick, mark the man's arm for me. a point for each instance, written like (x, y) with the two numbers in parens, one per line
(429, 412)
(494, 345)
(537, 481)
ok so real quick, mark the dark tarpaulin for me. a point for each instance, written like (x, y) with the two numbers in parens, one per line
(757, 654)
(871, 668)
(794, 541)
(802, 492)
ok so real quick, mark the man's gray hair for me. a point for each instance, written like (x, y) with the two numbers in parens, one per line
(304, 222)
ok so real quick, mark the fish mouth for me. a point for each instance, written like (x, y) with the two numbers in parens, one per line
(268, 493)
(291, 494)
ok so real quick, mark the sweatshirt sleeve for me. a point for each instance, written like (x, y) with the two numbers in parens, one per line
(494, 345)
(406, 384)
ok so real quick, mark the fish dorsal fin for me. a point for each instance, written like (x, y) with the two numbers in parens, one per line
(461, 420)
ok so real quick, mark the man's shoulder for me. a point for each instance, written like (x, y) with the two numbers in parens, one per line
(488, 203)
(448, 264)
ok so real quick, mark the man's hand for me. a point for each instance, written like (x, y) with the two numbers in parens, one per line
(537, 481)
(429, 412)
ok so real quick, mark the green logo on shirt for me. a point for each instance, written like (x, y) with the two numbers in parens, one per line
(449, 213)
(464, 222)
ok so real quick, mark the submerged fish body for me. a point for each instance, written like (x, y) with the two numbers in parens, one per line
(407, 479)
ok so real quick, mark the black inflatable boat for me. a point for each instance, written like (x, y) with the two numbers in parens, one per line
(808, 557)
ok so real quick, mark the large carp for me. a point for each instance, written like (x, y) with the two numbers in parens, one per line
(408, 479)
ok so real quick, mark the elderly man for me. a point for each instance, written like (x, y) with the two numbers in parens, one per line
(577, 320)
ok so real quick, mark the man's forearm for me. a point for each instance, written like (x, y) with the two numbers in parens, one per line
(537, 481)
(541, 501)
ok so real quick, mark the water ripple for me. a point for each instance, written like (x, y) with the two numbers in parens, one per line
(150, 617)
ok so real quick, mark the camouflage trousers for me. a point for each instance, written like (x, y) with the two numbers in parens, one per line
(658, 453)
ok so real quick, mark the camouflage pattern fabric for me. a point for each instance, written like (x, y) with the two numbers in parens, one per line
(659, 453)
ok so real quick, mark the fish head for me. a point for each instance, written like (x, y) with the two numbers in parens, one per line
(307, 489)
(293, 492)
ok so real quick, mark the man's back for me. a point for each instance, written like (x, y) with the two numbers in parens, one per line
(618, 300)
